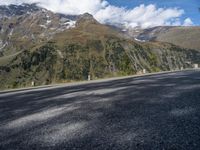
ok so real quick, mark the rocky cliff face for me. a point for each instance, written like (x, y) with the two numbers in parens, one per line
(38, 45)
(24, 26)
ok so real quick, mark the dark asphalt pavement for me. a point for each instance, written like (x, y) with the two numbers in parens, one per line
(157, 112)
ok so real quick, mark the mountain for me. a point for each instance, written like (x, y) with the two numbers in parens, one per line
(186, 37)
(39, 45)
(24, 26)
(16, 10)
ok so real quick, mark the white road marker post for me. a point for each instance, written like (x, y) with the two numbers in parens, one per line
(144, 71)
(32, 83)
(89, 77)
(196, 66)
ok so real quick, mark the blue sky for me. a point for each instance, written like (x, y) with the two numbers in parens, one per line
(191, 7)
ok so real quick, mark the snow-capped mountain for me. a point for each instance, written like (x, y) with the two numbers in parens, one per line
(17, 10)
(30, 24)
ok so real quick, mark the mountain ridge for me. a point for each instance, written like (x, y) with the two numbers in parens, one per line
(186, 37)
(49, 48)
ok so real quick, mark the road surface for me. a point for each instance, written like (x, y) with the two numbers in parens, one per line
(156, 112)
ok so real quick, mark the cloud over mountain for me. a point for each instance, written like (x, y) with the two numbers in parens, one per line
(187, 22)
(144, 16)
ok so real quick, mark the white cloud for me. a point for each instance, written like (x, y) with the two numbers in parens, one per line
(73, 7)
(144, 16)
(188, 22)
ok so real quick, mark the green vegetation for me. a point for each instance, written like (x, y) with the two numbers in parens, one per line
(74, 62)
(89, 49)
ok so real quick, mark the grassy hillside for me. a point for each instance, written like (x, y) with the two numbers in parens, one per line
(52, 63)
(88, 49)
(186, 37)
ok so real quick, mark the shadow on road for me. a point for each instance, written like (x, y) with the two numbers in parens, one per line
(153, 112)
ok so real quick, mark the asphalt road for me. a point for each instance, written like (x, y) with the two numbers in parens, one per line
(157, 112)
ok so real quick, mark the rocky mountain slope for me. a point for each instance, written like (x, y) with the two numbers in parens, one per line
(24, 26)
(186, 37)
(38, 45)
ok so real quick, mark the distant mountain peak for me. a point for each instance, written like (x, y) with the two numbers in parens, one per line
(17, 10)
(86, 18)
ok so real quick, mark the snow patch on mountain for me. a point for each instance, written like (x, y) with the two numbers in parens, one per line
(48, 22)
(140, 40)
(43, 26)
(2, 46)
(71, 24)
